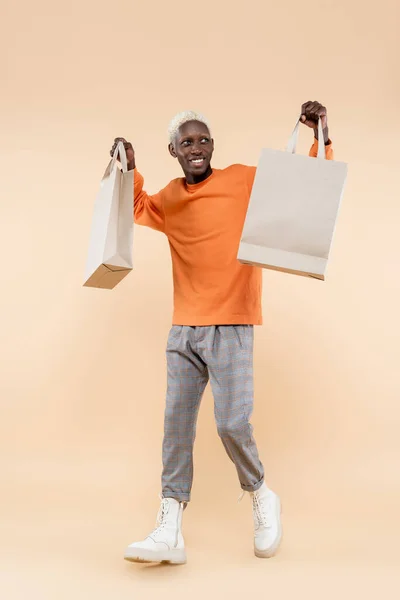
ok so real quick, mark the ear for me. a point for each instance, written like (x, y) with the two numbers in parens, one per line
(172, 150)
(212, 144)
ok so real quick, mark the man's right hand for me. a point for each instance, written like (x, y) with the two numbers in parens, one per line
(130, 153)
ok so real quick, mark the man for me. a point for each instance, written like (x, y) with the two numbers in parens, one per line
(217, 302)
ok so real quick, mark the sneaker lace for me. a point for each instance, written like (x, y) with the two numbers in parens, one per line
(261, 508)
(241, 496)
(162, 515)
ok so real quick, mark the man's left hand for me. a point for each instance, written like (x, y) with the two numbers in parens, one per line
(310, 113)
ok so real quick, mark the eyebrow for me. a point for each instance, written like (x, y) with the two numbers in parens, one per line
(190, 137)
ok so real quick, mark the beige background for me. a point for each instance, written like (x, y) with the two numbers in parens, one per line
(83, 374)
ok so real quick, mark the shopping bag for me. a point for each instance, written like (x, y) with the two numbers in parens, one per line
(292, 211)
(110, 247)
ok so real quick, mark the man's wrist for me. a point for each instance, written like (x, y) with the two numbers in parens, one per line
(131, 166)
(327, 141)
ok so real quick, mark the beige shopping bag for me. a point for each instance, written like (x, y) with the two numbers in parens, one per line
(110, 247)
(292, 211)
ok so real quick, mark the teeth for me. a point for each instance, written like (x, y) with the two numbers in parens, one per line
(197, 160)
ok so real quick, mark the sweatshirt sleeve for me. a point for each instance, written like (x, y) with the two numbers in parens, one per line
(328, 150)
(147, 210)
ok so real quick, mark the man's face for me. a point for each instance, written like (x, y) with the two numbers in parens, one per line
(193, 147)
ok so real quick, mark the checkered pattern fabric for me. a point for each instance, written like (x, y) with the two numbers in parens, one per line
(222, 355)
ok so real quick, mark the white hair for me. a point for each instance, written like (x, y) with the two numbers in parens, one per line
(182, 118)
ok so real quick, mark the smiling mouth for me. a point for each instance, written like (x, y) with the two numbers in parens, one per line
(197, 161)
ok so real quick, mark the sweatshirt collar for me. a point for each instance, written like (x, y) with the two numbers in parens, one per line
(192, 187)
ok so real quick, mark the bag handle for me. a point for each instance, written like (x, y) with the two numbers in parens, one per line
(292, 144)
(120, 149)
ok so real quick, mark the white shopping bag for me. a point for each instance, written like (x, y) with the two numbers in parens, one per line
(292, 211)
(110, 248)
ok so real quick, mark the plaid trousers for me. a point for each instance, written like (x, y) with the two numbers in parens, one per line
(222, 355)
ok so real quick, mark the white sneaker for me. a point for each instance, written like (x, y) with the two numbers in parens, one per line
(165, 543)
(267, 522)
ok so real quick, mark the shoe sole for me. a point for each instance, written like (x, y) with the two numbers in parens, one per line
(272, 550)
(173, 557)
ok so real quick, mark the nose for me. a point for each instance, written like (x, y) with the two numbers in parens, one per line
(196, 149)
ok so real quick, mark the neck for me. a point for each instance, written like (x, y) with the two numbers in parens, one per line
(193, 179)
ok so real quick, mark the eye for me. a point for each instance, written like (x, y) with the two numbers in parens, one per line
(185, 143)
(205, 140)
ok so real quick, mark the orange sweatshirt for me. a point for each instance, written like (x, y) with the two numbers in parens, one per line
(204, 223)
